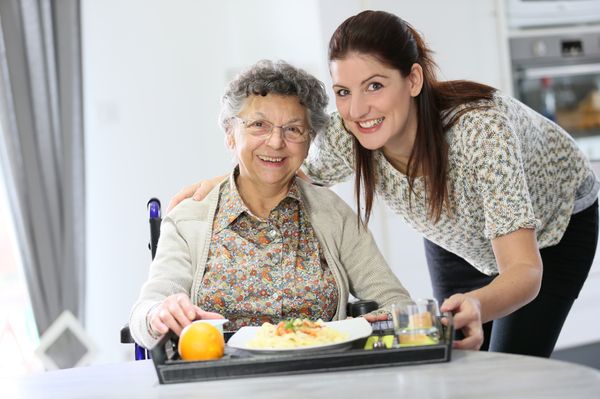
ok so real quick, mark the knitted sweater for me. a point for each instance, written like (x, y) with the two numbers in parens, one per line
(508, 168)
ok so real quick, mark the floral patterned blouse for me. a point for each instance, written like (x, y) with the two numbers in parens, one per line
(265, 270)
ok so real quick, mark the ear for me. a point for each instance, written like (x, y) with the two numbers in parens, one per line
(230, 138)
(415, 79)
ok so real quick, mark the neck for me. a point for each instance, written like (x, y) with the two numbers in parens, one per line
(261, 199)
(397, 159)
(398, 148)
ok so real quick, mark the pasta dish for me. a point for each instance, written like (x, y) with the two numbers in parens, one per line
(295, 333)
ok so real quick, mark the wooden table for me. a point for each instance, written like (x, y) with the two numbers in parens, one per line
(468, 375)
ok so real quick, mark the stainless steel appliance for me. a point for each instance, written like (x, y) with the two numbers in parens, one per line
(557, 73)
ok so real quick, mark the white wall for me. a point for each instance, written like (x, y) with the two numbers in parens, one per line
(153, 74)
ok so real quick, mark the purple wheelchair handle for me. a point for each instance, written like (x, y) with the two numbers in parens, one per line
(154, 208)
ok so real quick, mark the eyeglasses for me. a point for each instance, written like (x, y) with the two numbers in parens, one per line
(293, 133)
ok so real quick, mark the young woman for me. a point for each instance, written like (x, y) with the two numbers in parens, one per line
(496, 189)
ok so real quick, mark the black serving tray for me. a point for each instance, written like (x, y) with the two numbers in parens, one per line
(237, 364)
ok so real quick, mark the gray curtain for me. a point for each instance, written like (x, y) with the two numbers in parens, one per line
(41, 148)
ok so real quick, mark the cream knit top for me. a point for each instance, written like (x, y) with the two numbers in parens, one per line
(509, 168)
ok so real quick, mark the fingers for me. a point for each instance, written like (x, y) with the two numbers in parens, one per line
(383, 317)
(202, 190)
(445, 321)
(206, 186)
(370, 317)
(461, 320)
(468, 343)
(157, 326)
(187, 192)
(452, 303)
(171, 322)
(467, 318)
(303, 176)
(197, 191)
(473, 337)
(186, 310)
(202, 314)
(174, 313)
(375, 317)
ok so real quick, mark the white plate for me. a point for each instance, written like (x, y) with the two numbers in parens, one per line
(356, 328)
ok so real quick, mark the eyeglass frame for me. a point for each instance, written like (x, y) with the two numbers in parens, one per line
(267, 136)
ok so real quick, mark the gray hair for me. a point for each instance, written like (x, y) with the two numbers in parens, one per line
(276, 77)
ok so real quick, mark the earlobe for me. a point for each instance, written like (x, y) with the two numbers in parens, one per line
(230, 140)
(416, 79)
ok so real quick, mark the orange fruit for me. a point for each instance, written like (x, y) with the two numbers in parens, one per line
(201, 341)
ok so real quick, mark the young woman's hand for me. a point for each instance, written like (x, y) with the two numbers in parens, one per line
(175, 312)
(467, 317)
(198, 191)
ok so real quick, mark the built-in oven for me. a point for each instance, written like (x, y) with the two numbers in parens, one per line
(557, 73)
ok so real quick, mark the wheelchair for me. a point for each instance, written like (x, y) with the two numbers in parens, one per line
(154, 214)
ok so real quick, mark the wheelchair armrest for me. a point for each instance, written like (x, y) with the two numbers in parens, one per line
(126, 337)
(359, 308)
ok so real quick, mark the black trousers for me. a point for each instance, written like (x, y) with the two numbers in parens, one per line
(533, 329)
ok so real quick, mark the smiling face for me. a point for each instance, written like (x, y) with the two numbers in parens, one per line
(376, 102)
(269, 163)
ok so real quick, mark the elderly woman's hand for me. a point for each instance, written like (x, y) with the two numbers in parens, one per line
(175, 312)
(467, 317)
(198, 191)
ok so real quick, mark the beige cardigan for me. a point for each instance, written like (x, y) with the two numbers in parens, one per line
(352, 255)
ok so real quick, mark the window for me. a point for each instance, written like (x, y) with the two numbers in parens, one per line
(18, 332)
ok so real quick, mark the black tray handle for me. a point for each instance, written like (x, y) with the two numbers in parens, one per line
(449, 332)
(165, 349)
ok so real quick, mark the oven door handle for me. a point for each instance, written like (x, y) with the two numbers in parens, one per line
(558, 71)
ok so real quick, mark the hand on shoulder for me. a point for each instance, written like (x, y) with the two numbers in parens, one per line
(197, 191)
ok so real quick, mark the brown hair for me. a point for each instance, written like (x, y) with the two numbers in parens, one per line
(397, 44)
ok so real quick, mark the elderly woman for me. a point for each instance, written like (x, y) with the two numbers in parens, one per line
(263, 245)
